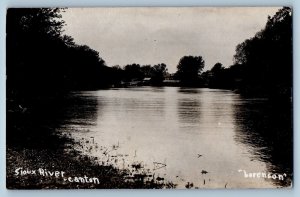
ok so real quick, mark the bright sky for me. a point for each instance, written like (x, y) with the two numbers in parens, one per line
(163, 35)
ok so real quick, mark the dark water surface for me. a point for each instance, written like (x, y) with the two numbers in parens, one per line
(207, 137)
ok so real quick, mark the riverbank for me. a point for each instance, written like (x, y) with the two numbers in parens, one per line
(40, 157)
(45, 169)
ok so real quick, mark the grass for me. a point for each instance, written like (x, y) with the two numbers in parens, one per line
(73, 164)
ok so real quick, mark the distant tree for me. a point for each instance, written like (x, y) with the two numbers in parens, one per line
(133, 72)
(189, 69)
(223, 78)
(205, 78)
(158, 73)
(146, 70)
(116, 75)
(217, 77)
(218, 67)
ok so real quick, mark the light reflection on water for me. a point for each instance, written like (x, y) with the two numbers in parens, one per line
(173, 126)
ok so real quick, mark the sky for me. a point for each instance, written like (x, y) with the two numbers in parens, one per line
(164, 35)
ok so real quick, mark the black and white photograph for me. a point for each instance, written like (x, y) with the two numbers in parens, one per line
(149, 97)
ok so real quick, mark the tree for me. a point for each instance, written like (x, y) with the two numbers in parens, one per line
(189, 69)
(146, 70)
(86, 70)
(33, 38)
(158, 73)
(133, 72)
(41, 60)
(43, 65)
(217, 68)
(267, 57)
(117, 75)
(217, 78)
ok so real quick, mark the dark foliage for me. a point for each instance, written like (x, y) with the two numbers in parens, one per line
(40, 60)
(146, 70)
(189, 69)
(263, 64)
(267, 58)
(158, 73)
(133, 72)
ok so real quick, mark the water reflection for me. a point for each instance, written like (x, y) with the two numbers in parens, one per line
(266, 127)
(189, 110)
(174, 125)
(189, 90)
(43, 116)
(79, 111)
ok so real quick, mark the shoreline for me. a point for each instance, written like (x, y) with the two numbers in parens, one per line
(41, 147)
(70, 170)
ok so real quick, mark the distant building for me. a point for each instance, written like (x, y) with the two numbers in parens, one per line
(146, 81)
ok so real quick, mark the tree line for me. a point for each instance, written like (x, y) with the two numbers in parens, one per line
(263, 64)
(42, 60)
(136, 72)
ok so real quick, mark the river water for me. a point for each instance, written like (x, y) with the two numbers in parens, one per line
(208, 137)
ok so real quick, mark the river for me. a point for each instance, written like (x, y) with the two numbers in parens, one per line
(204, 138)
